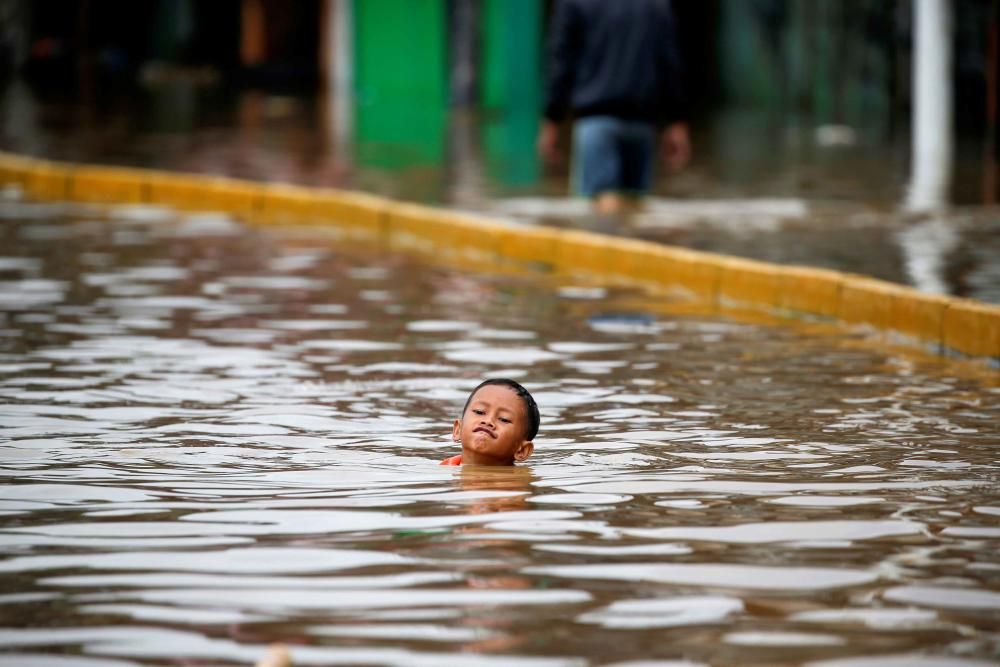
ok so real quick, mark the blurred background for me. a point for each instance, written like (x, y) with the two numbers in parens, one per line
(802, 114)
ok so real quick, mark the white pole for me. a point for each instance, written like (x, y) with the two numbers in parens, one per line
(340, 81)
(930, 172)
(342, 56)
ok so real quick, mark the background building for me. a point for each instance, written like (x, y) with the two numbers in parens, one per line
(775, 76)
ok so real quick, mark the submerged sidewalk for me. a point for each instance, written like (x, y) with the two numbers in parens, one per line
(772, 195)
(892, 314)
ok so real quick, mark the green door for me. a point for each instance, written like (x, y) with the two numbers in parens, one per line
(510, 88)
(401, 83)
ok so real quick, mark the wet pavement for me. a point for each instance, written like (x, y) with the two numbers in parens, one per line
(217, 436)
(759, 187)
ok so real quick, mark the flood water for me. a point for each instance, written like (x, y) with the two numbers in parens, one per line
(215, 437)
(760, 185)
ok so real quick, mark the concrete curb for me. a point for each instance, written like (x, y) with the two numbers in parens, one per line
(944, 325)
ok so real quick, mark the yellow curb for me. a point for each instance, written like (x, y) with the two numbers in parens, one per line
(178, 190)
(972, 329)
(529, 245)
(362, 214)
(669, 269)
(746, 282)
(648, 266)
(14, 169)
(868, 301)
(108, 185)
(696, 272)
(945, 323)
(412, 226)
(478, 237)
(580, 253)
(196, 192)
(625, 260)
(444, 232)
(281, 204)
(47, 180)
(919, 317)
(232, 196)
(811, 291)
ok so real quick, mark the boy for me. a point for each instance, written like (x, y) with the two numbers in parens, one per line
(498, 423)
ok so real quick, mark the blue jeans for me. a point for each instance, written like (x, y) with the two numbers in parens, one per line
(613, 155)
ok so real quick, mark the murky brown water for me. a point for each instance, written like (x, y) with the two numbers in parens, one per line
(759, 186)
(215, 437)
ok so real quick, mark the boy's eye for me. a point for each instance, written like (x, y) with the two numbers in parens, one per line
(478, 411)
(505, 420)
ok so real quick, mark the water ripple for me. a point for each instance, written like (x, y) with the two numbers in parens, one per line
(215, 437)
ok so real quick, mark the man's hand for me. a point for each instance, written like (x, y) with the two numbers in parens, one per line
(676, 146)
(548, 142)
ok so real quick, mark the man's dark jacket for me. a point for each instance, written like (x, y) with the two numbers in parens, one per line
(616, 58)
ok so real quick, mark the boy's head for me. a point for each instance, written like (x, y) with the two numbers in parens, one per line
(498, 423)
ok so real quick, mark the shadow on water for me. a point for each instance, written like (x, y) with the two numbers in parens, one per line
(761, 186)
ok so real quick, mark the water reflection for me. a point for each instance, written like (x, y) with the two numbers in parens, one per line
(215, 438)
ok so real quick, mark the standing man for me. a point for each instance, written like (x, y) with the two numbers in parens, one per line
(613, 68)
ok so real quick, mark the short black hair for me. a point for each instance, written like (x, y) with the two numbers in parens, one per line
(530, 407)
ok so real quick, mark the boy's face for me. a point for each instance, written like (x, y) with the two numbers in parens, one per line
(492, 429)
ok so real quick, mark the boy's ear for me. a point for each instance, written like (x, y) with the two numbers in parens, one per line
(524, 450)
(456, 431)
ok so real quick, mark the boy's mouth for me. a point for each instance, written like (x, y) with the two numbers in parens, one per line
(483, 429)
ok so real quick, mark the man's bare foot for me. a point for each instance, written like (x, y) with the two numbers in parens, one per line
(277, 656)
(617, 204)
